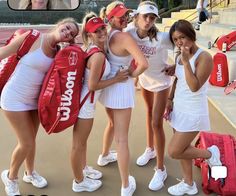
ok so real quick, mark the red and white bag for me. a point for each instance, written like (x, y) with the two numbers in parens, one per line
(59, 100)
(227, 146)
(8, 65)
(219, 75)
(229, 40)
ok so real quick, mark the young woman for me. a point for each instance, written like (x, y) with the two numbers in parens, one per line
(122, 48)
(19, 99)
(94, 35)
(155, 85)
(189, 106)
(43, 4)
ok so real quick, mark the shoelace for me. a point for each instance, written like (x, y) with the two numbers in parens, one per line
(112, 156)
(90, 170)
(158, 177)
(36, 176)
(90, 181)
(180, 186)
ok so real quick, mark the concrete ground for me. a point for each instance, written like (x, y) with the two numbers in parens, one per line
(53, 152)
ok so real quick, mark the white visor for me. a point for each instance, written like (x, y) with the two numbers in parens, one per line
(147, 9)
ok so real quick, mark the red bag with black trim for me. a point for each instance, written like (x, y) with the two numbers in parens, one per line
(8, 65)
(59, 100)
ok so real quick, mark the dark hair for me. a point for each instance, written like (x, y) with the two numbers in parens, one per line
(184, 27)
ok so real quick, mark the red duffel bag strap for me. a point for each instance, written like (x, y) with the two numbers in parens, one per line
(27, 43)
(89, 54)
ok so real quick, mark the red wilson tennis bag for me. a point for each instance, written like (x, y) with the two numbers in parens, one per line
(8, 65)
(59, 100)
(229, 39)
(219, 75)
(227, 146)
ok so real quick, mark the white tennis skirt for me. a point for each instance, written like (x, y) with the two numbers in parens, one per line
(119, 95)
(187, 122)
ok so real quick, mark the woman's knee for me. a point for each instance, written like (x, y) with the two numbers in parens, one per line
(111, 124)
(157, 124)
(27, 145)
(121, 141)
(174, 152)
(149, 112)
(79, 145)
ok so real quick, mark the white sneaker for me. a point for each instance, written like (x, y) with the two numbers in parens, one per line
(214, 160)
(92, 173)
(146, 156)
(130, 189)
(158, 179)
(35, 179)
(110, 158)
(11, 186)
(87, 184)
(183, 188)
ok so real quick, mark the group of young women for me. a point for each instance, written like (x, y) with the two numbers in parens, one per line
(124, 53)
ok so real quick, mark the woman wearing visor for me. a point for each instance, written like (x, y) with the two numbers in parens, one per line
(94, 35)
(155, 83)
(119, 98)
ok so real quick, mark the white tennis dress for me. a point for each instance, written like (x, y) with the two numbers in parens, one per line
(190, 110)
(88, 109)
(119, 95)
(22, 90)
(156, 53)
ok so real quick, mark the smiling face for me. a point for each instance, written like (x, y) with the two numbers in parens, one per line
(67, 31)
(99, 36)
(39, 4)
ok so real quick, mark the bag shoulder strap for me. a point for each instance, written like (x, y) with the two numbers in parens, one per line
(89, 54)
(93, 51)
(214, 43)
(27, 43)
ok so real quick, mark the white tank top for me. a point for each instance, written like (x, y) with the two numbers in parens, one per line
(85, 88)
(184, 99)
(21, 92)
(116, 61)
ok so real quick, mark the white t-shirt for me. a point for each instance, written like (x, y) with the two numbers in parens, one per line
(156, 52)
(205, 3)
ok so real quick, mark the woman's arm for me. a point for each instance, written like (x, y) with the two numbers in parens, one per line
(172, 92)
(204, 65)
(95, 64)
(13, 46)
(129, 44)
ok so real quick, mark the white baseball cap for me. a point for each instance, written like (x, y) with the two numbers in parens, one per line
(147, 9)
